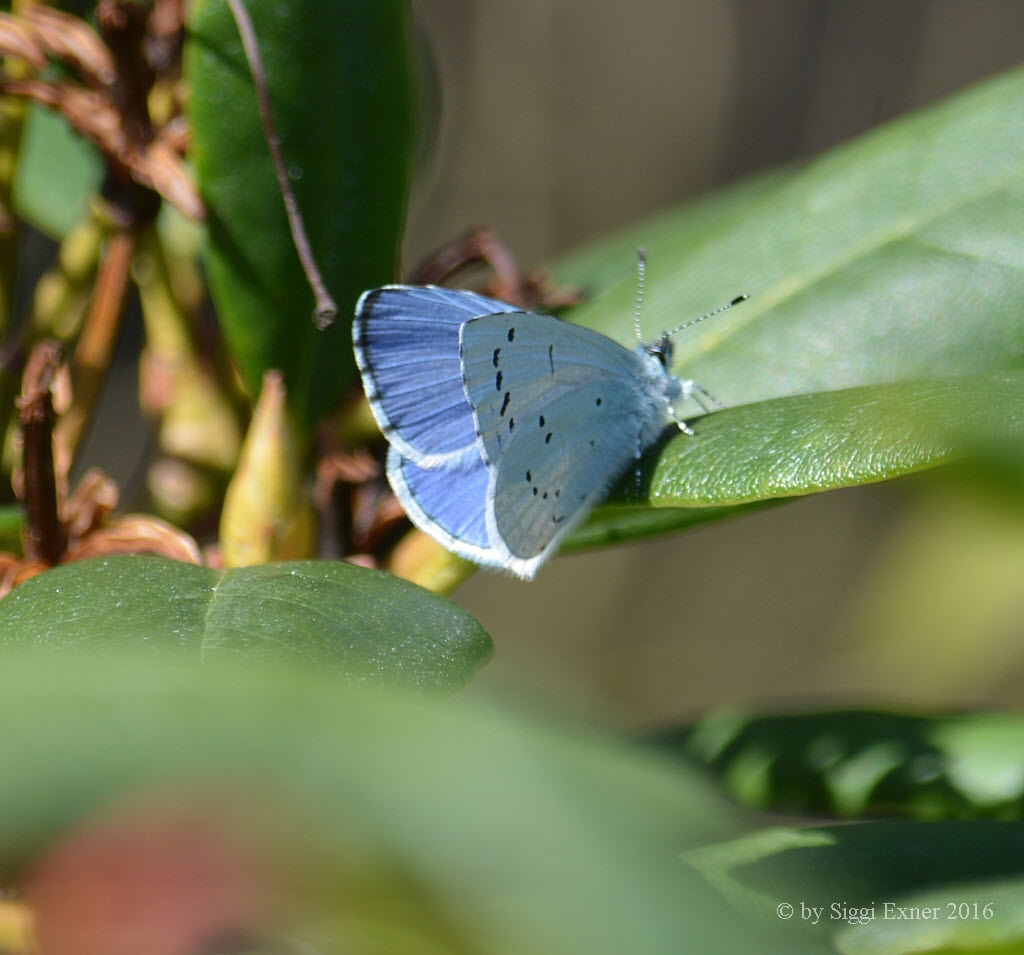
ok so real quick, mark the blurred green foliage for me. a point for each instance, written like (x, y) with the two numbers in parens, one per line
(884, 336)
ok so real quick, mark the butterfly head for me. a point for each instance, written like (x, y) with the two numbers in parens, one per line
(662, 349)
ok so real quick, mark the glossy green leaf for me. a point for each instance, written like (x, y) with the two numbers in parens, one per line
(790, 446)
(365, 624)
(339, 79)
(394, 822)
(858, 762)
(849, 882)
(886, 272)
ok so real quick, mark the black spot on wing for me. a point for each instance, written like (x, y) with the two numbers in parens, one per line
(504, 404)
(497, 381)
(497, 351)
(511, 334)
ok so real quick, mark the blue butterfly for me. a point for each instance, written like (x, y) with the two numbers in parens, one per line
(505, 427)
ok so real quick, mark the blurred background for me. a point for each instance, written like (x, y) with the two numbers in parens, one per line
(559, 121)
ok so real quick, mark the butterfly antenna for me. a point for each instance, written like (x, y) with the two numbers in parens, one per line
(697, 321)
(641, 271)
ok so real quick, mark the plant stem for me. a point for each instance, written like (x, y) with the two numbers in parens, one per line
(325, 308)
(95, 347)
(45, 535)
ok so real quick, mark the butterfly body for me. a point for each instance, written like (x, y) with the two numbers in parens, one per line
(505, 427)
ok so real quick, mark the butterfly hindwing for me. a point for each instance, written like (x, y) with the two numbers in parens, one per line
(406, 341)
(450, 504)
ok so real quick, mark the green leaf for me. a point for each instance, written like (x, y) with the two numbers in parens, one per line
(886, 272)
(858, 762)
(57, 172)
(850, 873)
(986, 918)
(393, 822)
(787, 447)
(792, 446)
(613, 523)
(365, 624)
(339, 79)
(11, 524)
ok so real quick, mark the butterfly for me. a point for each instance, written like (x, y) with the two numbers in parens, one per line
(505, 427)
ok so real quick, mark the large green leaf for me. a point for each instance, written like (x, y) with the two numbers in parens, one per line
(858, 762)
(789, 446)
(364, 624)
(886, 272)
(339, 80)
(393, 822)
(849, 883)
(786, 447)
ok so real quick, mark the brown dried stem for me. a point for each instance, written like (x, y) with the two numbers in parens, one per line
(510, 283)
(325, 307)
(95, 347)
(45, 535)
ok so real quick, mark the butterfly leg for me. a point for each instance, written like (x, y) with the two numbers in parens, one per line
(707, 402)
(685, 391)
(704, 398)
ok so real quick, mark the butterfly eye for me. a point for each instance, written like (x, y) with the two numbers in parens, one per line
(662, 350)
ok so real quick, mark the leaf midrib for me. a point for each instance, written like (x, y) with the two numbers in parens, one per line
(793, 285)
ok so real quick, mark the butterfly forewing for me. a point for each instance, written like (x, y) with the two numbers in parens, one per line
(406, 342)
(561, 412)
(517, 362)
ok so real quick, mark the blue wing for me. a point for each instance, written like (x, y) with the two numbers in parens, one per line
(449, 504)
(514, 364)
(406, 341)
(561, 411)
(551, 474)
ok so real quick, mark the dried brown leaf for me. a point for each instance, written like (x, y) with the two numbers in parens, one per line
(93, 499)
(16, 570)
(160, 167)
(91, 112)
(20, 41)
(137, 534)
(74, 42)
